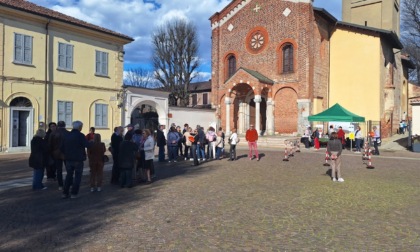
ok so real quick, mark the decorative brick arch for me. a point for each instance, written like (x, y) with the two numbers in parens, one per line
(286, 110)
(279, 50)
(226, 63)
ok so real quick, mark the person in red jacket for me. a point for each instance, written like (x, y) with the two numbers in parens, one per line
(341, 136)
(252, 137)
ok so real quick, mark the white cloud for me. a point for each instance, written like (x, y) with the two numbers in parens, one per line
(138, 18)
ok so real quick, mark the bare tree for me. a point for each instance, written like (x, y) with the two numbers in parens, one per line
(410, 35)
(140, 77)
(175, 49)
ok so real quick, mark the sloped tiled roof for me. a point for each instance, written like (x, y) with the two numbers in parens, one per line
(390, 36)
(258, 75)
(200, 86)
(25, 6)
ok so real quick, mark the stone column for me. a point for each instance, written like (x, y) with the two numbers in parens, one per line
(304, 108)
(270, 117)
(241, 116)
(257, 100)
(227, 103)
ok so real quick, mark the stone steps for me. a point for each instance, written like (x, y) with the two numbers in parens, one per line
(270, 141)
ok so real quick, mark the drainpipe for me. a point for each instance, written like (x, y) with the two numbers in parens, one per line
(46, 73)
(2, 93)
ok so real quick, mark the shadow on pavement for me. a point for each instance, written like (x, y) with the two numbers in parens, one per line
(43, 221)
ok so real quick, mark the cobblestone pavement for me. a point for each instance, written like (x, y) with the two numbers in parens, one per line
(243, 205)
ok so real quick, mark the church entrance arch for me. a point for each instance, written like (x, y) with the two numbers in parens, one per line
(245, 107)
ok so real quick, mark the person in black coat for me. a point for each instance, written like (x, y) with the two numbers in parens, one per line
(50, 164)
(116, 140)
(161, 142)
(74, 149)
(37, 160)
(126, 161)
(55, 143)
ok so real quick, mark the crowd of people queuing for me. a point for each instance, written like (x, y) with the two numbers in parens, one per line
(133, 152)
(197, 145)
(57, 148)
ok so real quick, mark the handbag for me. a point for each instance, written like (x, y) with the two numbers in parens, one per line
(105, 158)
(138, 155)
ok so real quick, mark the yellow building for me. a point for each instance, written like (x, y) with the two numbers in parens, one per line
(56, 68)
(368, 74)
(368, 79)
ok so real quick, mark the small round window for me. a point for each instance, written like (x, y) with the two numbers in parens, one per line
(257, 40)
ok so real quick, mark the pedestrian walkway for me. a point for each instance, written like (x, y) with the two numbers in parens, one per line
(396, 142)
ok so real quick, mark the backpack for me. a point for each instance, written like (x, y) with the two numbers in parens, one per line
(211, 137)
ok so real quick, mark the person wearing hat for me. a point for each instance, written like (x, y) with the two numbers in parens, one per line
(252, 137)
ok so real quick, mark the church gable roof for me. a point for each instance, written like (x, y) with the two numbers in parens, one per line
(325, 14)
(257, 75)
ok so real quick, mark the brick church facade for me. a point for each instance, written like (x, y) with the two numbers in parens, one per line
(270, 64)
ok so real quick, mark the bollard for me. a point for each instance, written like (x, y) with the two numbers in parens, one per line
(327, 157)
(292, 150)
(365, 151)
(297, 143)
(286, 155)
(370, 166)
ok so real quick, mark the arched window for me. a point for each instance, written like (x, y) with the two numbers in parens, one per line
(231, 65)
(287, 52)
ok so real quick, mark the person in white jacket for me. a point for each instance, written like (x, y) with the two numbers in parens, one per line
(149, 153)
(233, 140)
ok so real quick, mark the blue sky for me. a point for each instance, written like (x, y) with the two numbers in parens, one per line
(138, 18)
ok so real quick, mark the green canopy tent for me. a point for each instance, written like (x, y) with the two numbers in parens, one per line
(336, 114)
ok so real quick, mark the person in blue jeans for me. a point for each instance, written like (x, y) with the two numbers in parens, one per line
(173, 139)
(74, 149)
(219, 145)
(37, 159)
(201, 143)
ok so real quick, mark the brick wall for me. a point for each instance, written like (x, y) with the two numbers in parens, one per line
(307, 33)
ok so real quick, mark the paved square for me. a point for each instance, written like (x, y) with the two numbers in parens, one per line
(243, 205)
